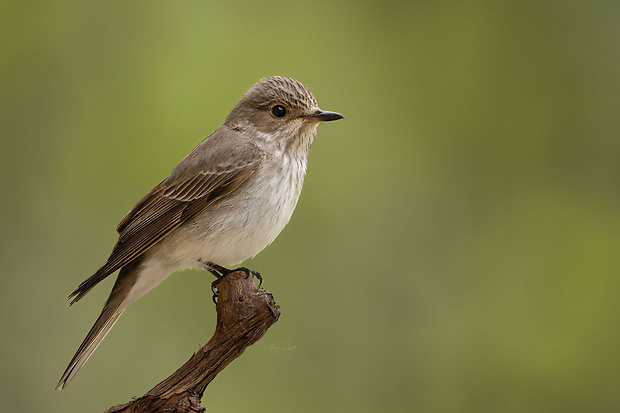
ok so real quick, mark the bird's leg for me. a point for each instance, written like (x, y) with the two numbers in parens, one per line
(221, 272)
(217, 270)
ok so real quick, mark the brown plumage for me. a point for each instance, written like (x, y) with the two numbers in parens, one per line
(223, 203)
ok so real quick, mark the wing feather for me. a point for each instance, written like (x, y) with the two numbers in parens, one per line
(173, 202)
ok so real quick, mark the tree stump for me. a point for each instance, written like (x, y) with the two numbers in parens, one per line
(244, 314)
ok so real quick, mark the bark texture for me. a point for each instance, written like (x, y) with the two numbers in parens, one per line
(244, 314)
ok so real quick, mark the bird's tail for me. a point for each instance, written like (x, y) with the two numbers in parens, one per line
(112, 310)
(104, 323)
(118, 300)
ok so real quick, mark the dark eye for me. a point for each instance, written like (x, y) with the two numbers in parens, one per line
(278, 111)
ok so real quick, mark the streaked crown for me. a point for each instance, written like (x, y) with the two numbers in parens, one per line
(280, 89)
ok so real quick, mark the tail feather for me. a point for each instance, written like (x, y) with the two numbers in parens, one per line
(116, 303)
(107, 319)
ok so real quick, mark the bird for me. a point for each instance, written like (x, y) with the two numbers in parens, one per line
(226, 201)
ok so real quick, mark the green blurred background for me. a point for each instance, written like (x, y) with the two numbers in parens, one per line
(457, 244)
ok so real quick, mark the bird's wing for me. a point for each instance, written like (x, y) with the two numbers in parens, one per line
(198, 181)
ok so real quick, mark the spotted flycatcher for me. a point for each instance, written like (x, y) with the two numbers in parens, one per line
(223, 203)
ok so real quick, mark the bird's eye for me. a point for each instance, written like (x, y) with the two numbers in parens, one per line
(278, 111)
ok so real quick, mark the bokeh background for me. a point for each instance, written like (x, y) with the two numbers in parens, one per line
(457, 244)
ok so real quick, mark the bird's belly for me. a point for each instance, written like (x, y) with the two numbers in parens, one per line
(236, 227)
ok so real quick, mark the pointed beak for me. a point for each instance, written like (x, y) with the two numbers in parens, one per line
(324, 116)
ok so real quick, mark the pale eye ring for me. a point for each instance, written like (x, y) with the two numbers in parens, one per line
(278, 111)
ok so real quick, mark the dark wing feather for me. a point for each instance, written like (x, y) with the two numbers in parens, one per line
(187, 191)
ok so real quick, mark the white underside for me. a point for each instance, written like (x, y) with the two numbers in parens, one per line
(234, 229)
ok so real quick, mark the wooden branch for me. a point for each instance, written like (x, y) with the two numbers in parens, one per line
(244, 313)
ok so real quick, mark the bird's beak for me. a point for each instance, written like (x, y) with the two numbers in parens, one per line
(324, 116)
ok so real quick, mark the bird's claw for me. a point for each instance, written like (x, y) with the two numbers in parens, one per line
(253, 273)
(221, 272)
(214, 290)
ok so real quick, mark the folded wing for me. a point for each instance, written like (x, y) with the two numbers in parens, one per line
(193, 186)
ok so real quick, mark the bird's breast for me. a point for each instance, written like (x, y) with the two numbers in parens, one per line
(244, 222)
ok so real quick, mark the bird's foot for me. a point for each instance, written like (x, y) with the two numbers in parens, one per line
(249, 272)
(221, 272)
